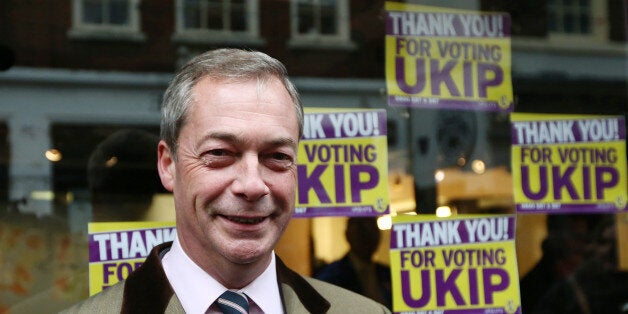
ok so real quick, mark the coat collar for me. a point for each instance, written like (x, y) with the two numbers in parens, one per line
(147, 289)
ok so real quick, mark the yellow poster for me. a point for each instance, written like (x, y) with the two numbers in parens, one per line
(447, 58)
(342, 165)
(461, 264)
(118, 248)
(569, 163)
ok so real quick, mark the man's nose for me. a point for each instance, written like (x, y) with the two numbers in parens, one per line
(249, 181)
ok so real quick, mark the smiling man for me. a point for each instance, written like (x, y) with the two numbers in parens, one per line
(231, 123)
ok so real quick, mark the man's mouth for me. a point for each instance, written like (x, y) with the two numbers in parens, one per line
(243, 220)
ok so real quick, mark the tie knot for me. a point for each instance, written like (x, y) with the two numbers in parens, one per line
(231, 302)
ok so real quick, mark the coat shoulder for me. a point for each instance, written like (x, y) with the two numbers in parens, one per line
(342, 299)
(107, 301)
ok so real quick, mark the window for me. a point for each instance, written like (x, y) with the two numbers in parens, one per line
(218, 21)
(577, 18)
(106, 19)
(320, 22)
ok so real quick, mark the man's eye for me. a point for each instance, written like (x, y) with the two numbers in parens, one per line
(279, 161)
(217, 158)
(217, 152)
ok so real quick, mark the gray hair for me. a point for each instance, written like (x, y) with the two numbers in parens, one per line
(224, 64)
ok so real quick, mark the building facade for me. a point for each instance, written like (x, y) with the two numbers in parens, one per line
(73, 71)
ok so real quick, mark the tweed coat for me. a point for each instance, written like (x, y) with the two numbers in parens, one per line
(147, 290)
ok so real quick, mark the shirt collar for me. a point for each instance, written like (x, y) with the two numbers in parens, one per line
(197, 290)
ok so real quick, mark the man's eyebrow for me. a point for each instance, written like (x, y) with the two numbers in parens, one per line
(234, 139)
(283, 141)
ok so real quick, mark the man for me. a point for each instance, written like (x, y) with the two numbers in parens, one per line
(231, 122)
(357, 271)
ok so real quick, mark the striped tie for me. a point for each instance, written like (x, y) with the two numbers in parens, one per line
(233, 303)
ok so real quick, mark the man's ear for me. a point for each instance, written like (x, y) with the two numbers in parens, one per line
(165, 165)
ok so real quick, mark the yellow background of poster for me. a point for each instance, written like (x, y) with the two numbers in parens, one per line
(377, 195)
(501, 94)
(377, 198)
(117, 269)
(615, 197)
(507, 299)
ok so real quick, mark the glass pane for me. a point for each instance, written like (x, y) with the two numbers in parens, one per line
(569, 23)
(114, 164)
(328, 18)
(191, 14)
(552, 21)
(306, 17)
(585, 24)
(119, 12)
(238, 15)
(215, 15)
(92, 11)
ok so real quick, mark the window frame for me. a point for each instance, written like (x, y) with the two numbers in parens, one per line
(340, 40)
(106, 31)
(598, 25)
(250, 36)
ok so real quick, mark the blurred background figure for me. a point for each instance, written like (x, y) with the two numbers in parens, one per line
(598, 285)
(122, 176)
(357, 271)
(564, 249)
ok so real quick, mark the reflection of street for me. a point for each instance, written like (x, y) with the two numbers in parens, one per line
(39, 259)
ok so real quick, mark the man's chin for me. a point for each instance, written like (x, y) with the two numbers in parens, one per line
(247, 254)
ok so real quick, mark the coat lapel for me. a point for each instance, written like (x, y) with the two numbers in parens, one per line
(147, 289)
(296, 293)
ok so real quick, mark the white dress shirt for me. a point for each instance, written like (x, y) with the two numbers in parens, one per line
(198, 291)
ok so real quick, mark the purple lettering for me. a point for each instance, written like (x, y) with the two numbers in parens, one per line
(525, 183)
(601, 184)
(484, 82)
(107, 271)
(356, 185)
(406, 287)
(443, 76)
(564, 181)
(446, 285)
(400, 76)
(311, 182)
(489, 287)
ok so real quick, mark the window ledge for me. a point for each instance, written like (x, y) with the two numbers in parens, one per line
(572, 46)
(321, 44)
(106, 35)
(218, 38)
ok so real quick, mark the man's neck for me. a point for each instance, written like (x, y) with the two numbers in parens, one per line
(229, 274)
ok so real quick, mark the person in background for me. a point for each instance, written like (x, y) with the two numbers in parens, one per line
(565, 247)
(597, 286)
(122, 176)
(231, 124)
(357, 271)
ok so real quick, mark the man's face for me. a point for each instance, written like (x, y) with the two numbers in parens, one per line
(235, 177)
